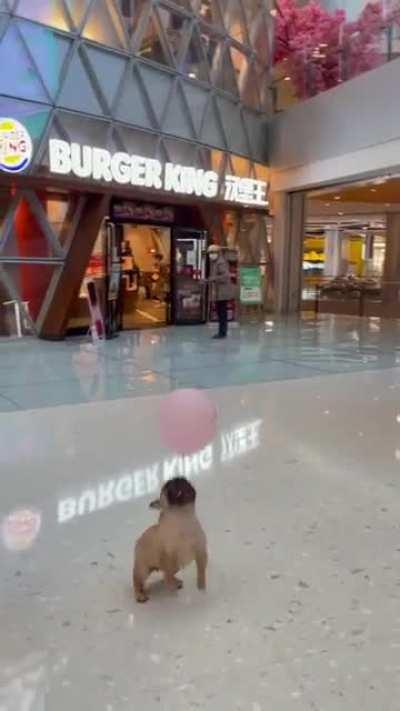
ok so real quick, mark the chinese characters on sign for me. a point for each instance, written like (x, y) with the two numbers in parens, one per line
(245, 190)
(93, 163)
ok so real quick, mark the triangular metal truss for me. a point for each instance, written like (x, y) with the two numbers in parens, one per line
(106, 64)
(117, 137)
(35, 254)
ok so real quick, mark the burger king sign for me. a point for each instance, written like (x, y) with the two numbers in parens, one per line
(15, 146)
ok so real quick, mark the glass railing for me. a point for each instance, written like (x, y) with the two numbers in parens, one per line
(317, 49)
(352, 296)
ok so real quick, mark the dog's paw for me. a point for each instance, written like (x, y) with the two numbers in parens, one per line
(142, 597)
(178, 583)
(173, 584)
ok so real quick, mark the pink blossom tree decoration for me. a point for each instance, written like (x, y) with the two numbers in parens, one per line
(320, 49)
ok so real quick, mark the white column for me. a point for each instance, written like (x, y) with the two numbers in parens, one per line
(333, 252)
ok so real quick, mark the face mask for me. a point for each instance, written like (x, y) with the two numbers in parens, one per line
(213, 257)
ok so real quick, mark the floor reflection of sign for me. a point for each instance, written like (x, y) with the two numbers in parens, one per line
(250, 285)
(20, 529)
(236, 442)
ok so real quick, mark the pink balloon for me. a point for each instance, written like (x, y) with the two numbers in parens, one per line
(188, 420)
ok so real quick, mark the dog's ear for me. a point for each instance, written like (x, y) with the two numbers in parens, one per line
(156, 504)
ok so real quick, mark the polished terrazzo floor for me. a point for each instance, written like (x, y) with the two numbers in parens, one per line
(298, 493)
(39, 374)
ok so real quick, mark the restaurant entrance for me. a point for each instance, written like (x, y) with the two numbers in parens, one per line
(155, 275)
(144, 272)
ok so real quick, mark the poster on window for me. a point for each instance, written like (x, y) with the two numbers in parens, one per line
(190, 302)
(250, 285)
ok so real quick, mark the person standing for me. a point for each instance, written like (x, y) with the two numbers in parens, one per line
(220, 278)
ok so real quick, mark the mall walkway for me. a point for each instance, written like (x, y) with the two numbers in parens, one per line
(298, 491)
(38, 374)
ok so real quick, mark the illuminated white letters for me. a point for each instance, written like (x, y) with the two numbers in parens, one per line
(101, 161)
(95, 163)
(210, 184)
(172, 181)
(153, 174)
(60, 157)
(121, 168)
(81, 160)
(190, 181)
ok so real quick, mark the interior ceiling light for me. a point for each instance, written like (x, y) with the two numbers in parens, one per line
(286, 79)
(340, 214)
(337, 197)
(373, 190)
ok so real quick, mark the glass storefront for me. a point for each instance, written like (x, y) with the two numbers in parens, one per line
(163, 267)
(350, 250)
(175, 87)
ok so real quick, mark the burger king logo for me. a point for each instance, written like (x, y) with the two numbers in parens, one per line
(15, 146)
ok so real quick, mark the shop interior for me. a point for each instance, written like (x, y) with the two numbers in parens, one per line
(156, 275)
(145, 257)
(146, 277)
(350, 254)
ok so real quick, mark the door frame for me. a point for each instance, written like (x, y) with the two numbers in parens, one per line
(195, 234)
(117, 229)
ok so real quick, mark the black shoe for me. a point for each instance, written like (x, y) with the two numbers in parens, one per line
(218, 336)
